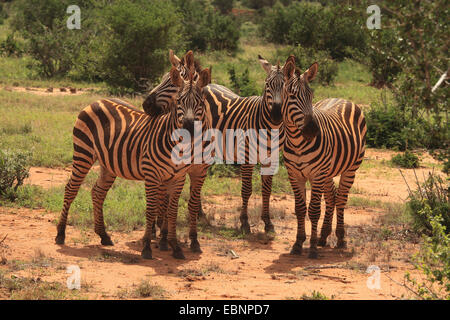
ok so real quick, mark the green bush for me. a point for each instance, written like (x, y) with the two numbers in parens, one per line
(305, 57)
(206, 28)
(388, 127)
(10, 47)
(13, 171)
(381, 58)
(134, 48)
(224, 170)
(224, 6)
(433, 260)
(407, 160)
(329, 28)
(431, 199)
(241, 84)
(43, 24)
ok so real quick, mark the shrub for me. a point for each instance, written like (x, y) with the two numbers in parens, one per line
(388, 127)
(205, 28)
(136, 44)
(304, 57)
(330, 28)
(43, 24)
(10, 47)
(241, 84)
(433, 260)
(13, 171)
(381, 58)
(407, 160)
(224, 170)
(224, 6)
(431, 199)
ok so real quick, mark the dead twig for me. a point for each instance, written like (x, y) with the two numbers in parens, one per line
(3, 239)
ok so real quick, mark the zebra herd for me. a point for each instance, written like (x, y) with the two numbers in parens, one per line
(318, 142)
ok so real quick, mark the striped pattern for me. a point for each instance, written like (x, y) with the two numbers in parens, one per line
(130, 144)
(322, 142)
(230, 111)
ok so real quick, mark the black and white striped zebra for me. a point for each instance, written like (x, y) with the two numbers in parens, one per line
(130, 144)
(322, 141)
(232, 112)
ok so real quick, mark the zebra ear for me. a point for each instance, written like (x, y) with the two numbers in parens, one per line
(204, 79)
(175, 77)
(288, 70)
(265, 64)
(290, 58)
(174, 60)
(189, 61)
(311, 73)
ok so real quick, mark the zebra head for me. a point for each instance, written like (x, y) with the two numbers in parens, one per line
(273, 87)
(189, 100)
(297, 103)
(161, 97)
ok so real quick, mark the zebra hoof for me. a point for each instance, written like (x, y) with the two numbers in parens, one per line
(195, 247)
(322, 243)
(60, 238)
(245, 228)
(163, 246)
(296, 250)
(106, 241)
(178, 254)
(146, 253)
(269, 228)
(341, 244)
(313, 254)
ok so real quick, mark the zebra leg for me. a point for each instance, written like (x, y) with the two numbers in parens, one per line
(80, 169)
(330, 201)
(162, 222)
(298, 186)
(345, 183)
(246, 192)
(152, 195)
(194, 206)
(99, 191)
(266, 181)
(314, 214)
(172, 219)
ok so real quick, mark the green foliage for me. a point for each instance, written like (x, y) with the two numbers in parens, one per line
(259, 4)
(224, 170)
(13, 171)
(382, 66)
(205, 28)
(430, 200)
(241, 84)
(407, 160)
(335, 29)
(415, 41)
(224, 6)
(136, 41)
(387, 127)
(10, 47)
(434, 258)
(305, 57)
(43, 24)
(3, 14)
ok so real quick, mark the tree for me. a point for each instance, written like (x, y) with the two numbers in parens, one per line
(135, 46)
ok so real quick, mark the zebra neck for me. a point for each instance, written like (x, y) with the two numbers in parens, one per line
(265, 121)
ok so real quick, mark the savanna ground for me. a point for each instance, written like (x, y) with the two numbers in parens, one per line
(232, 266)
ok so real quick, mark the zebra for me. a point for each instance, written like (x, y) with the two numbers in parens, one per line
(230, 111)
(322, 142)
(130, 144)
